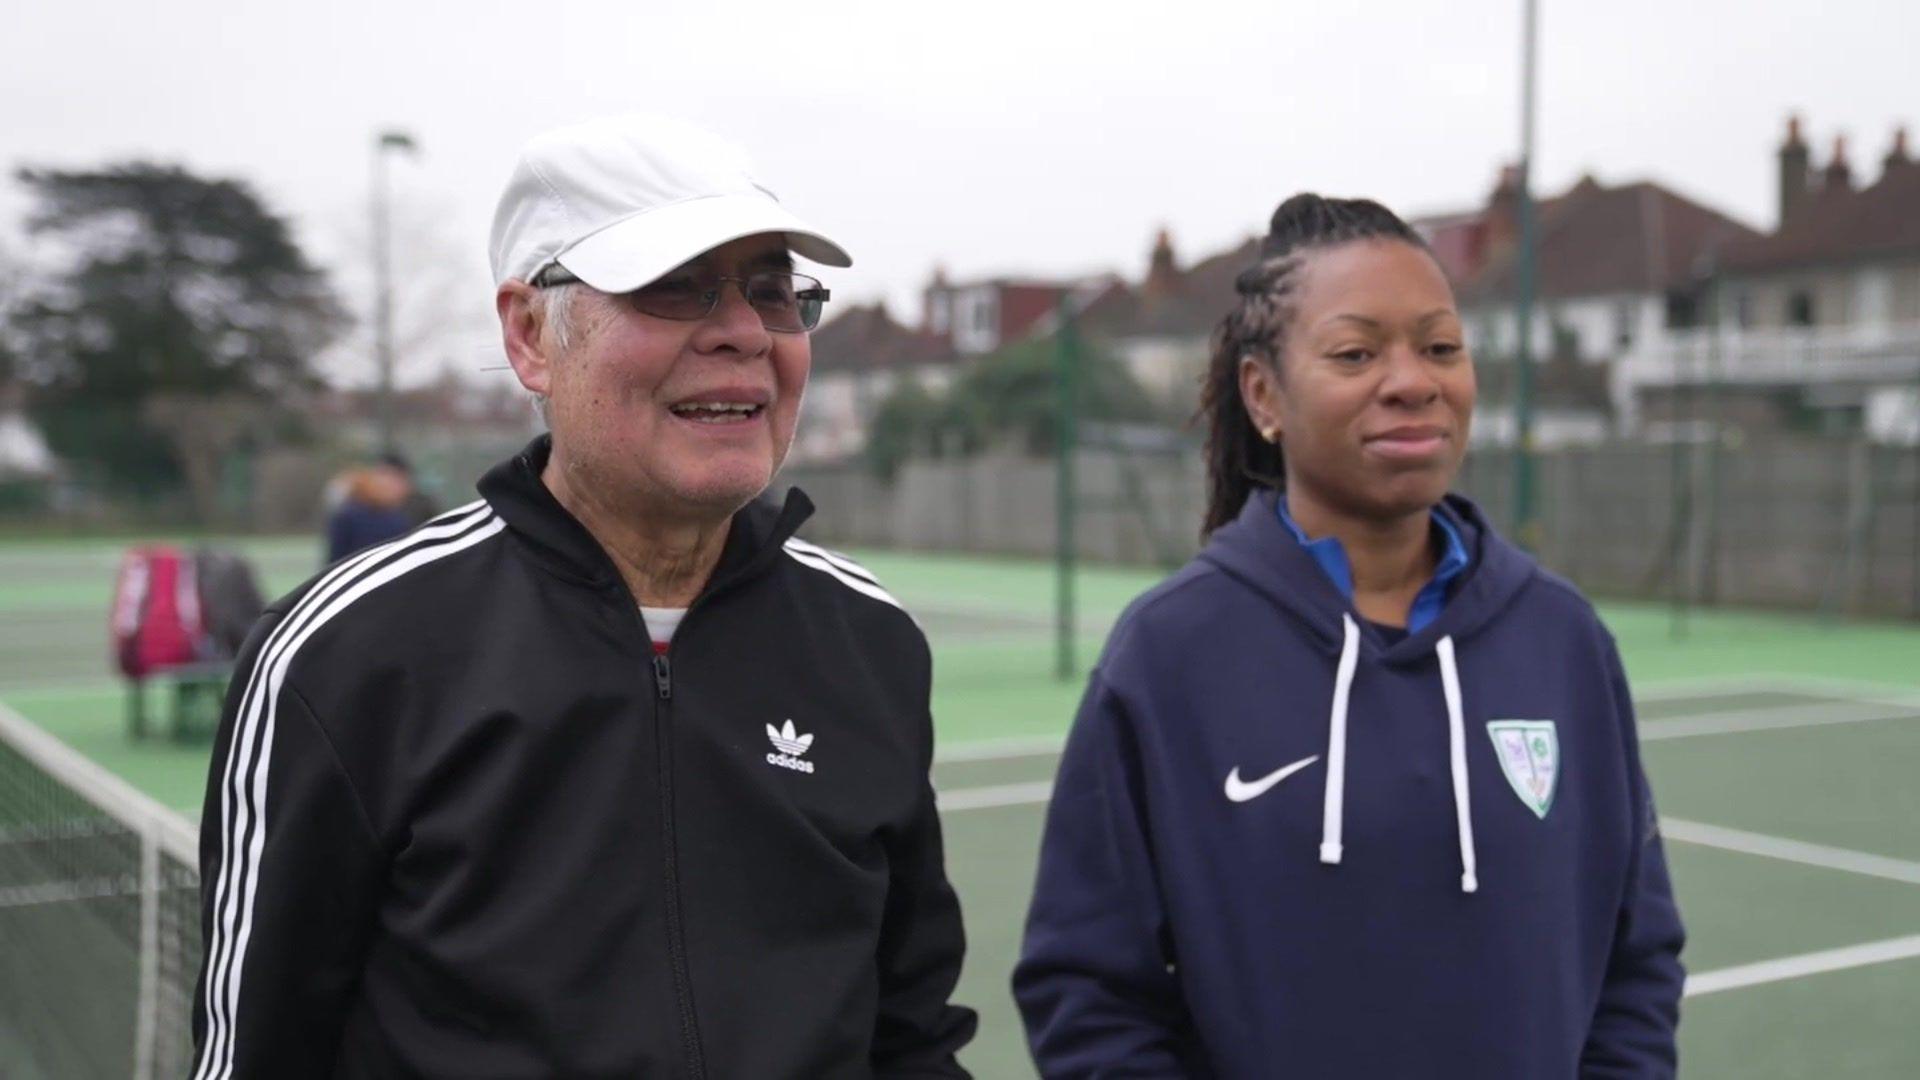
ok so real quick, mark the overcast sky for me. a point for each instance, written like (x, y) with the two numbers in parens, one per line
(987, 136)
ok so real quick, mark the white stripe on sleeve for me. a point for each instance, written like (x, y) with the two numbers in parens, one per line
(244, 776)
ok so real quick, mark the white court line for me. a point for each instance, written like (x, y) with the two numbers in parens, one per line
(1832, 686)
(982, 798)
(78, 686)
(1000, 749)
(1895, 704)
(1690, 688)
(1690, 832)
(1858, 710)
(1797, 967)
(1795, 851)
(1705, 686)
(1687, 832)
(1775, 718)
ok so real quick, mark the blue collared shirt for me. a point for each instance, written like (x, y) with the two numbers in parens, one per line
(1332, 558)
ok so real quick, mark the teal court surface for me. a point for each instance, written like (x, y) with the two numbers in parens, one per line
(1784, 751)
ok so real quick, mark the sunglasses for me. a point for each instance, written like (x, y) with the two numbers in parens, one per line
(788, 303)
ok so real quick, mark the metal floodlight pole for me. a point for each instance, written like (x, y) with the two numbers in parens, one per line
(1708, 589)
(1913, 581)
(1523, 480)
(383, 278)
(1066, 438)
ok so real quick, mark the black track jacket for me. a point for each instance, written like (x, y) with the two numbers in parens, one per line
(461, 821)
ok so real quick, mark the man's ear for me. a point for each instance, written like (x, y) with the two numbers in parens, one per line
(522, 322)
(1262, 394)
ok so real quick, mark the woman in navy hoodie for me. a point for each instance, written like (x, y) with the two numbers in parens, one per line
(1356, 793)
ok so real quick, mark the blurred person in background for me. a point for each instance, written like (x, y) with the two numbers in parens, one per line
(369, 506)
(1357, 793)
(608, 773)
(418, 506)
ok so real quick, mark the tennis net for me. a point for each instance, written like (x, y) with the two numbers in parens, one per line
(99, 918)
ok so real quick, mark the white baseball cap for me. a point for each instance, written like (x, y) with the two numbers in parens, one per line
(621, 200)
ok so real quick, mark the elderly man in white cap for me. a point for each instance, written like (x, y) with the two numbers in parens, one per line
(607, 773)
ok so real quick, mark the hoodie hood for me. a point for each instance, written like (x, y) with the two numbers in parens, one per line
(1256, 549)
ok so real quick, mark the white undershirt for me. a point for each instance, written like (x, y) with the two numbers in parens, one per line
(662, 622)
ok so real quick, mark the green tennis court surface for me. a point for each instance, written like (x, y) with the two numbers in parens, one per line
(1785, 752)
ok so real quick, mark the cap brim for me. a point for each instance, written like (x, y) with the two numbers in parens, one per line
(637, 250)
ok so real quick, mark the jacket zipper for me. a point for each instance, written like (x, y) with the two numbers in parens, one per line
(676, 935)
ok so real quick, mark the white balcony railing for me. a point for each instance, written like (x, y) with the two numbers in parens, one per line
(1777, 355)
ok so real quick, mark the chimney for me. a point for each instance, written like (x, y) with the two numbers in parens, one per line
(936, 304)
(1502, 219)
(1163, 272)
(1795, 171)
(1896, 155)
(1839, 173)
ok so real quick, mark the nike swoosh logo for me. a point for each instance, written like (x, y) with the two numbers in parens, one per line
(1240, 791)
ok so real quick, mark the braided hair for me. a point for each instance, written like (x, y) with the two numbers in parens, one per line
(1238, 458)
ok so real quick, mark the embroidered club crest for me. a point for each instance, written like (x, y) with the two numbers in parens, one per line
(1529, 752)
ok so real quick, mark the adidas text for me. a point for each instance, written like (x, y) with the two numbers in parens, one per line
(786, 762)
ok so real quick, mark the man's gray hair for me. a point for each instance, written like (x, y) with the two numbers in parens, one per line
(558, 305)
(556, 313)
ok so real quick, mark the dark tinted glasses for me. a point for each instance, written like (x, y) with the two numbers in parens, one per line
(787, 302)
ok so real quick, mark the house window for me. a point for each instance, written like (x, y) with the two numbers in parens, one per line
(1566, 342)
(1489, 337)
(940, 308)
(1743, 309)
(1683, 311)
(1623, 324)
(1800, 308)
(1873, 297)
(976, 321)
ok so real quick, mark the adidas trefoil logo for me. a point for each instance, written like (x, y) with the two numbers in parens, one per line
(791, 748)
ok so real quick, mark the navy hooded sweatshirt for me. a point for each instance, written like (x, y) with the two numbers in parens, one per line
(1281, 846)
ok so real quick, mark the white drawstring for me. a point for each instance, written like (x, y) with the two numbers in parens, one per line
(1457, 751)
(1332, 815)
(1330, 821)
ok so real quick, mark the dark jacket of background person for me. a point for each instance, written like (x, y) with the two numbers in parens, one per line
(1182, 933)
(462, 822)
(372, 511)
(355, 527)
(418, 506)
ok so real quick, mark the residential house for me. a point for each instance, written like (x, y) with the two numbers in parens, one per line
(1816, 326)
(1162, 328)
(863, 353)
(1615, 266)
(859, 357)
(979, 317)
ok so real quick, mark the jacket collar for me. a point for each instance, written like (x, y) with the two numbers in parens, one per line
(564, 546)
